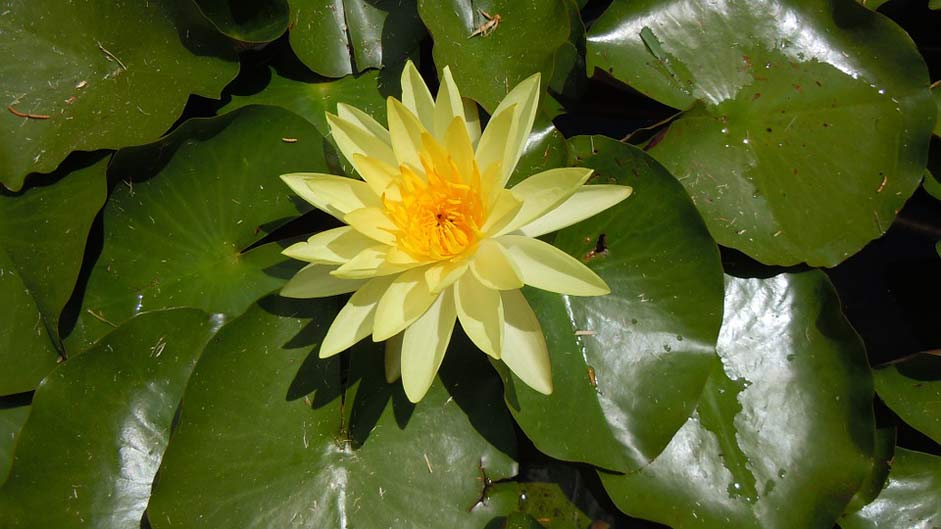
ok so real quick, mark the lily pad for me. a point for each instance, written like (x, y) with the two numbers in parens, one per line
(806, 124)
(912, 389)
(270, 437)
(627, 368)
(13, 414)
(783, 436)
(337, 38)
(42, 240)
(910, 500)
(185, 209)
(525, 39)
(100, 74)
(259, 21)
(93, 465)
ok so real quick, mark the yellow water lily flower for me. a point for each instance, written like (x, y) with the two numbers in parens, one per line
(433, 236)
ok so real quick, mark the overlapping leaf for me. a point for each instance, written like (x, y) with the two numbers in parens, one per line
(42, 241)
(176, 225)
(259, 21)
(341, 37)
(806, 125)
(783, 436)
(628, 367)
(270, 437)
(912, 389)
(99, 425)
(910, 499)
(95, 74)
(13, 414)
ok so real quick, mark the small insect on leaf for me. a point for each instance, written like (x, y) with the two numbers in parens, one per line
(488, 26)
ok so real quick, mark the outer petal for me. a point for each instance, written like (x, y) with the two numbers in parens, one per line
(336, 246)
(373, 223)
(544, 266)
(472, 118)
(504, 208)
(480, 310)
(355, 319)
(416, 96)
(377, 173)
(315, 281)
(336, 195)
(449, 105)
(586, 202)
(443, 274)
(524, 346)
(461, 149)
(364, 121)
(541, 193)
(525, 97)
(493, 267)
(407, 298)
(492, 149)
(393, 358)
(353, 138)
(371, 262)
(424, 345)
(406, 131)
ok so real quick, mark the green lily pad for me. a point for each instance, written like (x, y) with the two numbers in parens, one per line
(526, 40)
(99, 425)
(936, 95)
(932, 185)
(912, 389)
(312, 100)
(910, 500)
(519, 520)
(882, 456)
(98, 74)
(260, 21)
(337, 38)
(627, 368)
(42, 240)
(13, 413)
(783, 436)
(872, 4)
(806, 124)
(934, 4)
(185, 209)
(269, 437)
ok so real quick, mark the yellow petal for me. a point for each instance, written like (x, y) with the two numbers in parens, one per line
(404, 302)
(449, 105)
(371, 262)
(364, 121)
(441, 275)
(492, 148)
(480, 310)
(504, 209)
(472, 118)
(393, 358)
(377, 173)
(355, 319)
(424, 345)
(586, 202)
(416, 96)
(336, 195)
(541, 193)
(459, 146)
(544, 266)
(335, 246)
(524, 346)
(406, 132)
(525, 98)
(492, 266)
(354, 139)
(373, 223)
(315, 281)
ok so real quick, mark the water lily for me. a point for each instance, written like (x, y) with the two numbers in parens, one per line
(433, 236)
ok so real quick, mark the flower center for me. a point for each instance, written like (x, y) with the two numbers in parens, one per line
(438, 217)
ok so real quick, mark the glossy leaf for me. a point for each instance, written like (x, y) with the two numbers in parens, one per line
(806, 125)
(912, 389)
(936, 95)
(176, 225)
(268, 436)
(486, 67)
(42, 240)
(312, 100)
(259, 21)
(783, 436)
(518, 520)
(13, 413)
(628, 367)
(910, 499)
(341, 37)
(99, 74)
(882, 455)
(545, 149)
(99, 425)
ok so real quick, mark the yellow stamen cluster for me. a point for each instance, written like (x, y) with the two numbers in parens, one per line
(439, 215)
